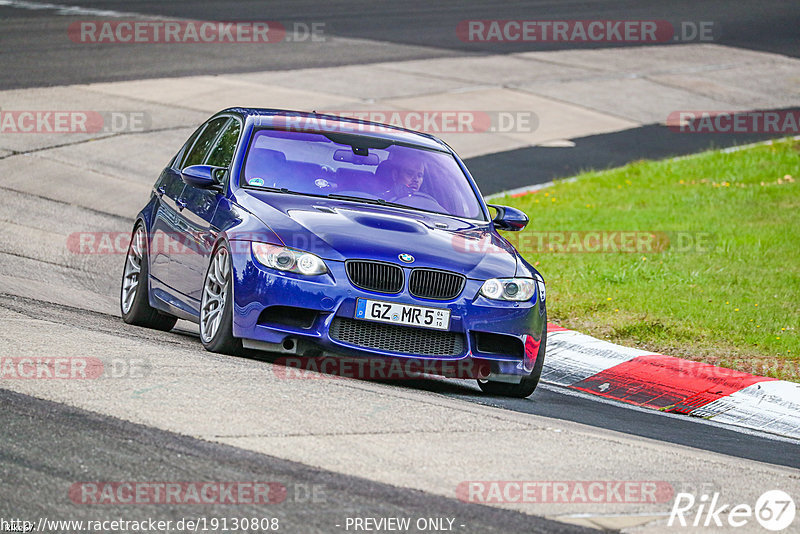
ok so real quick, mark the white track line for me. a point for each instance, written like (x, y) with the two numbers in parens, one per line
(66, 10)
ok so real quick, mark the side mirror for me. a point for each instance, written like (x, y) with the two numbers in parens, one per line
(510, 219)
(202, 176)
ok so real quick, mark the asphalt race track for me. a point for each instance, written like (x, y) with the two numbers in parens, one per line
(405, 30)
(373, 448)
(365, 33)
(41, 467)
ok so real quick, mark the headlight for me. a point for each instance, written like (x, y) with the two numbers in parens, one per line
(516, 289)
(288, 259)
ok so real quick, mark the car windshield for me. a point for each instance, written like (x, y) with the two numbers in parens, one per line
(361, 167)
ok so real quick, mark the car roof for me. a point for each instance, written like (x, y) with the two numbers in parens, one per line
(323, 123)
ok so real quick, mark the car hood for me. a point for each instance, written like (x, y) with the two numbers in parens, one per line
(340, 230)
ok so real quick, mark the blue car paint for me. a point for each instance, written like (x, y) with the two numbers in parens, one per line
(337, 230)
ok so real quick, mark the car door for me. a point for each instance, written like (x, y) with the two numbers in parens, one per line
(165, 232)
(198, 212)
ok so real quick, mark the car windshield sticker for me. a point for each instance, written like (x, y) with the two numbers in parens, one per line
(256, 181)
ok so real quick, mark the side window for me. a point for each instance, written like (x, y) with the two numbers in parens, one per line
(222, 154)
(201, 147)
(181, 155)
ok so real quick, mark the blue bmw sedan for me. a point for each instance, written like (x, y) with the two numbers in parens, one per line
(310, 235)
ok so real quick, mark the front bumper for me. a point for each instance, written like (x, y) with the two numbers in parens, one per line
(330, 302)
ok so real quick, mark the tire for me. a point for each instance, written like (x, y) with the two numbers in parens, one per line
(528, 384)
(134, 298)
(216, 305)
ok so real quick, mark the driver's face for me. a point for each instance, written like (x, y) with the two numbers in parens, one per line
(410, 175)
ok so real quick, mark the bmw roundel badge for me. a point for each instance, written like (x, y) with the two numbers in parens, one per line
(406, 258)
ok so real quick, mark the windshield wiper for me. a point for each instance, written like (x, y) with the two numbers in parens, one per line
(360, 199)
(380, 202)
(276, 189)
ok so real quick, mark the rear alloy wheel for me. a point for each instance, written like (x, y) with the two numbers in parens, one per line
(216, 306)
(134, 300)
(528, 384)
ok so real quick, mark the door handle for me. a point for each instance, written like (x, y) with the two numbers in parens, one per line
(181, 204)
(160, 191)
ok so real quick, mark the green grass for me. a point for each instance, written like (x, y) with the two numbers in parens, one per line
(733, 301)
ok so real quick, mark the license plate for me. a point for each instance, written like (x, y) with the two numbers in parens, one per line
(404, 314)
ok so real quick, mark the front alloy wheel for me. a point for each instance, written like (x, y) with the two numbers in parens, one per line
(133, 270)
(134, 301)
(216, 314)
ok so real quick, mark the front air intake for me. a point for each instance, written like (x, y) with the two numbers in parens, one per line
(375, 276)
(436, 285)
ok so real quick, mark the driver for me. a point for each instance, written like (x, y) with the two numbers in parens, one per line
(407, 176)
